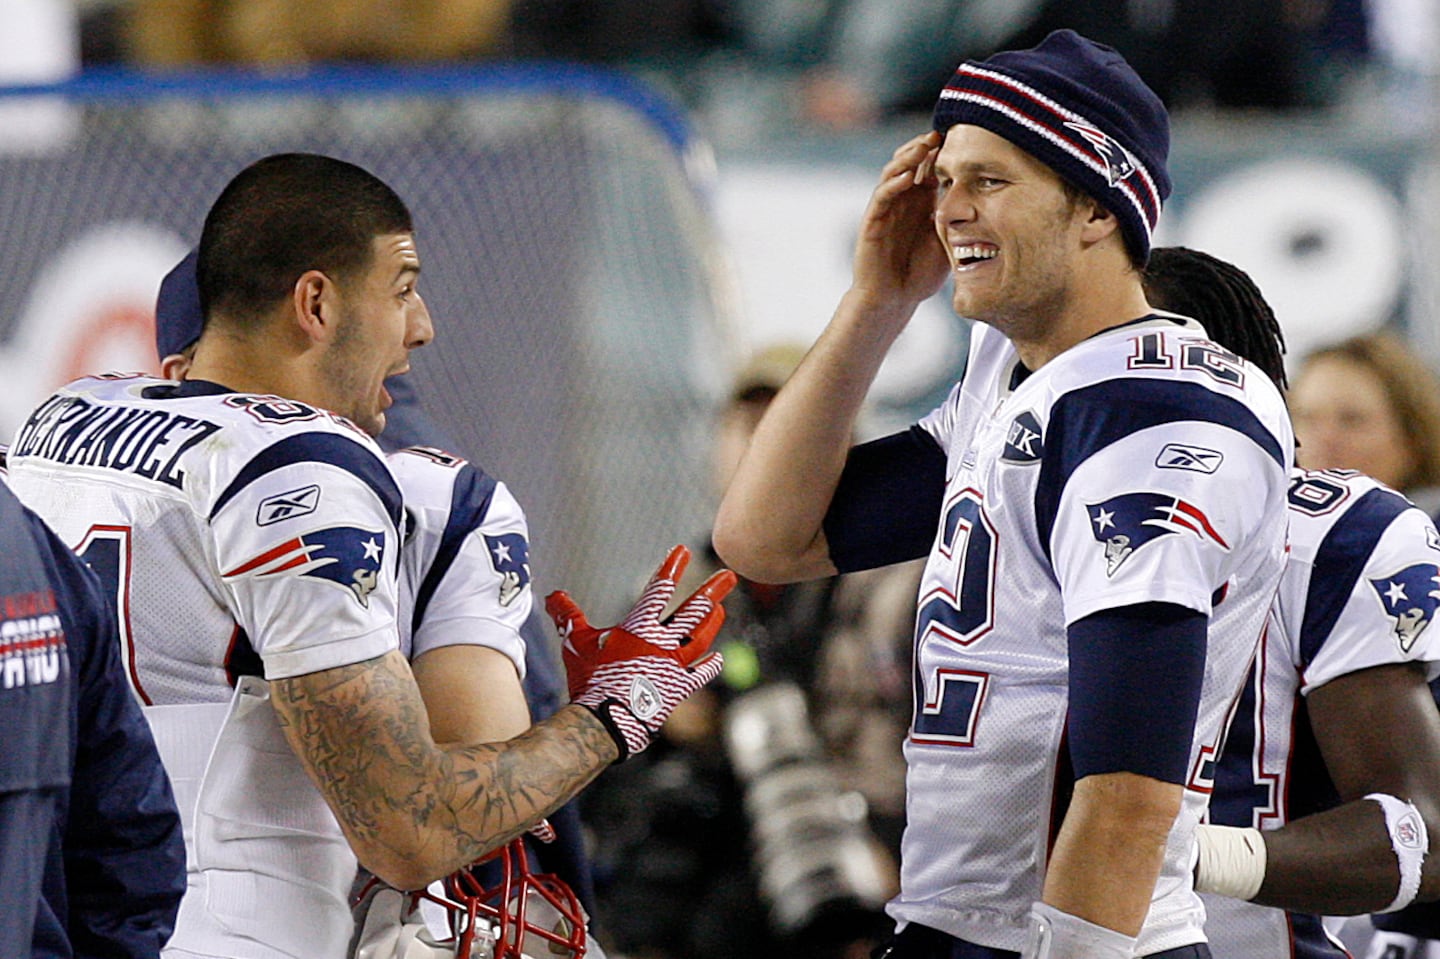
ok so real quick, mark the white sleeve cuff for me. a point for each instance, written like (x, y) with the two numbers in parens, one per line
(1059, 935)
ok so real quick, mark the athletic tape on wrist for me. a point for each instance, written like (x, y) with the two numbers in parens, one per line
(1410, 840)
(1230, 861)
(1053, 934)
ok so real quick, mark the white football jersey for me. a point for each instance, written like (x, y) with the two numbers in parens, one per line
(242, 536)
(236, 530)
(465, 568)
(1108, 477)
(1361, 589)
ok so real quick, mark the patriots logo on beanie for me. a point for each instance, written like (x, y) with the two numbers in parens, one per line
(1118, 164)
(1079, 108)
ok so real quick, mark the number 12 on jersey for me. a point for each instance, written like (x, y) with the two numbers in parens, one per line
(960, 611)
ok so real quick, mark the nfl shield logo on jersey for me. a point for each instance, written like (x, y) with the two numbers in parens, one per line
(347, 556)
(1410, 598)
(1124, 523)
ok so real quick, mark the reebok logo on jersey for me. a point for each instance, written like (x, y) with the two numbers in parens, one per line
(1022, 442)
(510, 557)
(1410, 598)
(283, 506)
(347, 556)
(1179, 456)
(1125, 523)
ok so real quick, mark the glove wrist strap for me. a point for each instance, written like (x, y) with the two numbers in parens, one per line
(602, 710)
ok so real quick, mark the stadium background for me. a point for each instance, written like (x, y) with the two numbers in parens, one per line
(598, 266)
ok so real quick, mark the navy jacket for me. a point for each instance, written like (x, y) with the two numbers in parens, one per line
(90, 840)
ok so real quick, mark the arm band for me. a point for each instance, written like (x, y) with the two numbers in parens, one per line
(1053, 934)
(1230, 861)
(1135, 678)
(1410, 840)
(887, 502)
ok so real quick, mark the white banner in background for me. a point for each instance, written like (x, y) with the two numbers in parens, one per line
(789, 231)
(90, 310)
(1323, 239)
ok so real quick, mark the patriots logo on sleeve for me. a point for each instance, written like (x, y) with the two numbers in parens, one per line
(1410, 598)
(348, 556)
(1123, 524)
(510, 556)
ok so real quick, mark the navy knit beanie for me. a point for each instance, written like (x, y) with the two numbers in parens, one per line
(178, 320)
(1080, 109)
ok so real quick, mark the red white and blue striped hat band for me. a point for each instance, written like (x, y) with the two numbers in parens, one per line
(1080, 109)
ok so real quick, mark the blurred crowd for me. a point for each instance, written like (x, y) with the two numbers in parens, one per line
(779, 791)
(835, 65)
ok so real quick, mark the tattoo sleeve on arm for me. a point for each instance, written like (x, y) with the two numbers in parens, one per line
(363, 735)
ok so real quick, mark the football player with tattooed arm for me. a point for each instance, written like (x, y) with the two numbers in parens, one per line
(1094, 590)
(1328, 788)
(251, 529)
(468, 623)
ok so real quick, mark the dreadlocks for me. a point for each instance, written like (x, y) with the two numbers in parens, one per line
(1225, 301)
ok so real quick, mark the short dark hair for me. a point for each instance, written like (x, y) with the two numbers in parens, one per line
(284, 215)
(1225, 301)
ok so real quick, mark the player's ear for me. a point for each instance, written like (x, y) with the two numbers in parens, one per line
(176, 366)
(1099, 221)
(314, 305)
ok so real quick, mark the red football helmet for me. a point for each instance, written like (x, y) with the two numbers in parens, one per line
(525, 915)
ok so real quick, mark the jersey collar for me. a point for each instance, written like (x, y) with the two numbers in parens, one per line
(186, 388)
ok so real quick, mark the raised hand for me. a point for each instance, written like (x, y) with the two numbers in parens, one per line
(898, 254)
(632, 676)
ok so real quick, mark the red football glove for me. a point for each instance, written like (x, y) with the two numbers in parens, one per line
(632, 676)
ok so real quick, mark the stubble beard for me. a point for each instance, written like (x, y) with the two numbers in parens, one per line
(1027, 315)
(341, 366)
(1027, 309)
